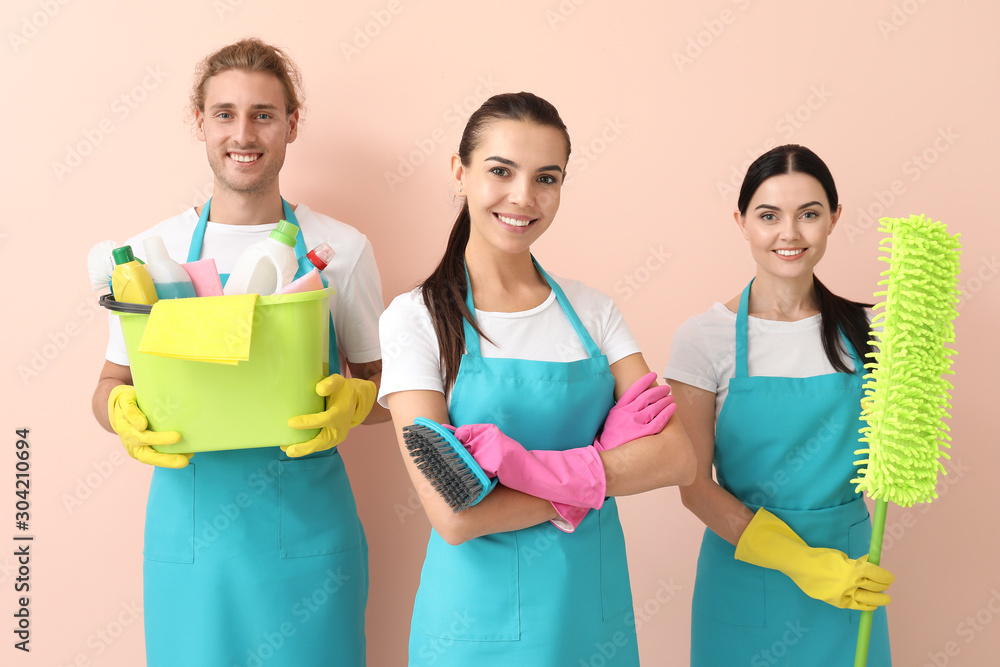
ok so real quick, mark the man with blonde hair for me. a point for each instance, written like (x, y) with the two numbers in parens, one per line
(256, 556)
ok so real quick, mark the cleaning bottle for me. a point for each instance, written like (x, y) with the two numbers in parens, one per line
(266, 266)
(169, 279)
(130, 281)
(320, 256)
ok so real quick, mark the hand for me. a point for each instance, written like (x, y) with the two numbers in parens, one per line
(642, 410)
(348, 402)
(129, 422)
(574, 476)
(824, 574)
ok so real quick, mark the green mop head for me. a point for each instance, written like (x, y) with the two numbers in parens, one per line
(906, 393)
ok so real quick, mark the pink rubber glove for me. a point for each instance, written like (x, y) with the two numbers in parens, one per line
(570, 516)
(574, 476)
(642, 410)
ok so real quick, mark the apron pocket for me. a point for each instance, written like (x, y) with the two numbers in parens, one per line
(316, 511)
(169, 533)
(469, 592)
(725, 589)
(616, 592)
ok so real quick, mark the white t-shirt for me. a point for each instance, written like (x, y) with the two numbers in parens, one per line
(352, 272)
(703, 352)
(411, 357)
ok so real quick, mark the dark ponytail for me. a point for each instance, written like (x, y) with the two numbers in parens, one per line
(839, 315)
(444, 295)
(445, 289)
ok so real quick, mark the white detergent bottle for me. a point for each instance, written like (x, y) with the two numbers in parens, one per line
(266, 266)
(170, 280)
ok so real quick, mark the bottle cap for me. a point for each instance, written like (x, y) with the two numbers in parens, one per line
(285, 233)
(123, 255)
(321, 255)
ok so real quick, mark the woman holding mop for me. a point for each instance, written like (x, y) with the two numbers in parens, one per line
(769, 387)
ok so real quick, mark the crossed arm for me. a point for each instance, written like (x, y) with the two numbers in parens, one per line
(664, 459)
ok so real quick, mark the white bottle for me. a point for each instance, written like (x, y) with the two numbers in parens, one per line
(266, 266)
(170, 280)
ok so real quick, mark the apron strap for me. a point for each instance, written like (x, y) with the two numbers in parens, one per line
(472, 346)
(198, 238)
(581, 331)
(741, 339)
(741, 332)
(305, 266)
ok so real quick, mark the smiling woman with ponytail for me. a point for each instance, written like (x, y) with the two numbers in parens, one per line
(769, 387)
(496, 345)
(445, 289)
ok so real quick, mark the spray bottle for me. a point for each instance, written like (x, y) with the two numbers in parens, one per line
(320, 256)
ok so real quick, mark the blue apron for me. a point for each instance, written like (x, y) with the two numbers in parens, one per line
(537, 596)
(786, 444)
(252, 558)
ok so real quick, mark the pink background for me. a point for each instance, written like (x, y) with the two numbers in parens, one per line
(666, 104)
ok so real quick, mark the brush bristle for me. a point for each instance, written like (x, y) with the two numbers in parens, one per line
(441, 465)
(100, 265)
(906, 393)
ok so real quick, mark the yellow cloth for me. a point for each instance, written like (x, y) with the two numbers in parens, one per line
(215, 329)
(824, 574)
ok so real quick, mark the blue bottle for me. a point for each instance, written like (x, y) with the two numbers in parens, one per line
(169, 278)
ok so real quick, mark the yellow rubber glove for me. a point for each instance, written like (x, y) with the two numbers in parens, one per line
(129, 422)
(348, 402)
(825, 574)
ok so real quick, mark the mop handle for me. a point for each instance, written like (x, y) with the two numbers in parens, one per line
(874, 557)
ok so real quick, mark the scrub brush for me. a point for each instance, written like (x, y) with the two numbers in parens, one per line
(446, 464)
(906, 393)
(100, 265)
